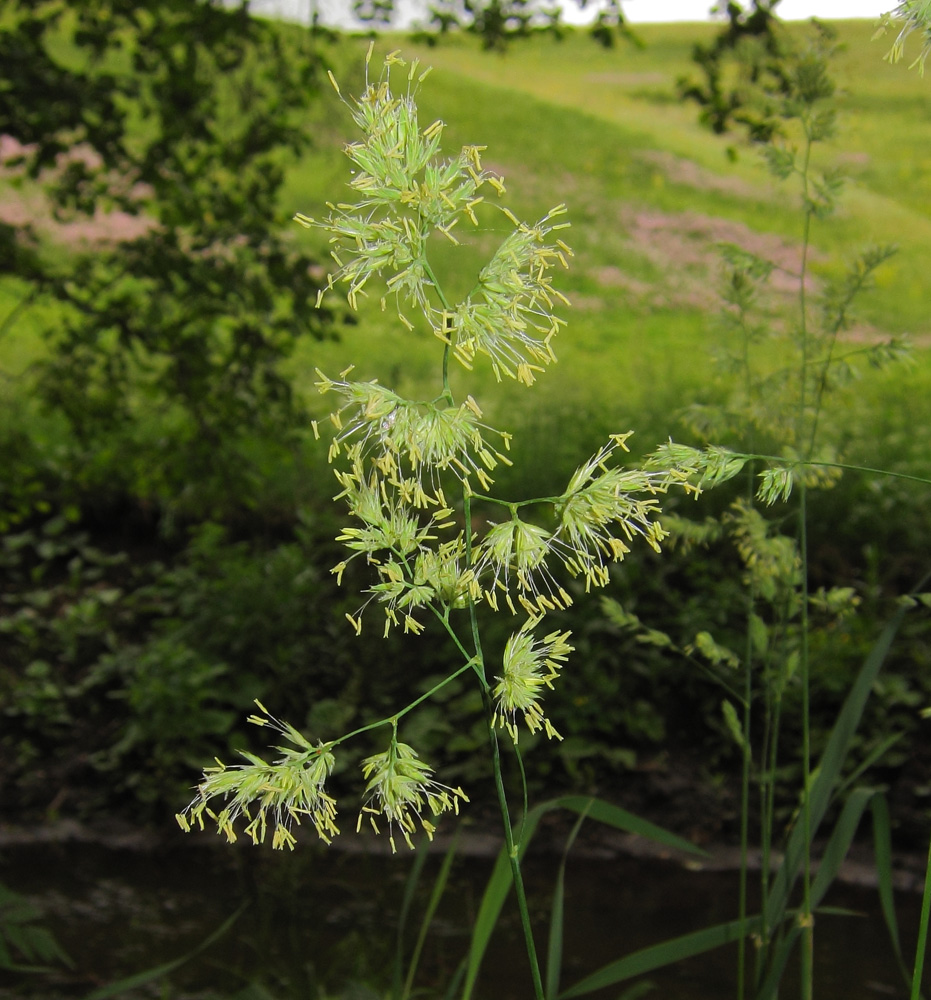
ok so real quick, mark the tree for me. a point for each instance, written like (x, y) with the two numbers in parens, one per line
(180, 113)
(748, 52)
(499, 22)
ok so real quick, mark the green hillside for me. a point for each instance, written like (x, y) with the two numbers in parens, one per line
(651, 192)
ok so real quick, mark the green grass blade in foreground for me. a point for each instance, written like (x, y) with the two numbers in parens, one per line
(621, 819)
(499, 883)
(839, 844)
(882, 852)
(158, 971)
(827, 776)
(666, 953)
(439, 887)
(554, 946)
(922, 932)
(410, 887)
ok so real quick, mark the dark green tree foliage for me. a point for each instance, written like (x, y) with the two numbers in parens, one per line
(499, 22)
(181, 114)
(743, 71)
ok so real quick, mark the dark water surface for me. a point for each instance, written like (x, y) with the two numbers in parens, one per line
(320, 923)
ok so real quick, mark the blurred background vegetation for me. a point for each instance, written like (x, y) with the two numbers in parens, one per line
(166, 525)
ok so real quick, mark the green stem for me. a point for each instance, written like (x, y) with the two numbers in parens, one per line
(513, 851)
(747, 757)
(447, 340)
(922, 933)
(392, 720)
(781, 460)
(806, 919)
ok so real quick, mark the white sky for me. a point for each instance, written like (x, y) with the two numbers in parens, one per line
(639, 11)
(636, 11)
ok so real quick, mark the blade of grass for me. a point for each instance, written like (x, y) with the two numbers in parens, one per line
(666, 953)
(839, 844)
(922, 932)
(882, 851)
(158, 971)
(410, 887)
(554, 947)
(834, 853)
(826, 777)
(499, 883)
(439, 887)
(621, 819)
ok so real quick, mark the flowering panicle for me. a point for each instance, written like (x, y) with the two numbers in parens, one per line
(389, 523)
(400, 788)
(509, 315)
(601, 503)
(280, 794)
(521, 548)
(914, 16)
(404, 193)
(528, 666)
(425, 435)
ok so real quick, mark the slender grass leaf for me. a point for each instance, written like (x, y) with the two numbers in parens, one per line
(554, 945)
(158, 971)
(882, 852)
(499, 883)
(436, 894)
(876, 754)
(828, 773)
(922, 933)
(621, 819)
(410, 887)
(834, 853)
(666, 953)
(770, 988)
(839, 844)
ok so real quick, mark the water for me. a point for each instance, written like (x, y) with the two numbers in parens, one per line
(326, 921)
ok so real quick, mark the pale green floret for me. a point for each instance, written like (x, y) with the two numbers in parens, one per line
(387, 523)
(916, 15)
(600, 503)
(521, 548)
(442, 569)
(528, 667)
(509, 315)
(279, 795)
(401, 788)
(404, 193)
(431, 435)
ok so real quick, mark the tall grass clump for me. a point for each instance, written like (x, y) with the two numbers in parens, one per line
(435, 550)
(440, 550)
(780, 426)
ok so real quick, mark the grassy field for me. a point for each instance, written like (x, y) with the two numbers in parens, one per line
(650, 193)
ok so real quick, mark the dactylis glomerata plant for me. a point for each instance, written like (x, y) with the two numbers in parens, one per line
(413, 473)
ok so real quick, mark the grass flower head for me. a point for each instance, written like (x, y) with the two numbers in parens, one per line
(513, 556)
(528, 666)
(400, 434)
(509, 316)
(277, 795)
(404, 191)
(402, 790)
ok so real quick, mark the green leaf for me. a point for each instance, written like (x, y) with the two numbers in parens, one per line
(554, 944)
(828, 772)
(157, 972)
(667, 953)
(499, 884)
